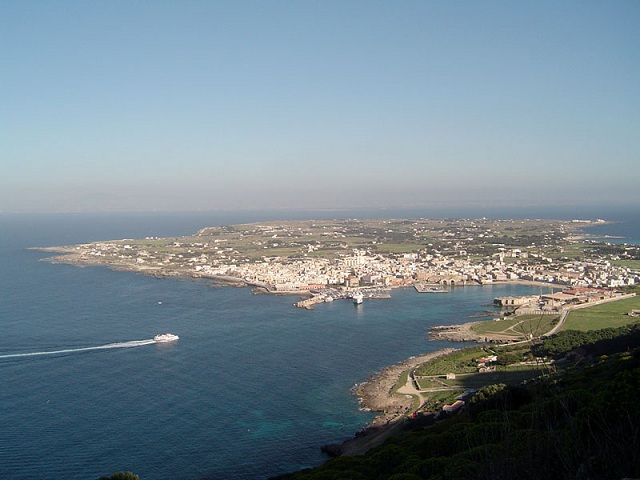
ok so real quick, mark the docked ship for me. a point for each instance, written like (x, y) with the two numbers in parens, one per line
(358, 298)
(165, 337)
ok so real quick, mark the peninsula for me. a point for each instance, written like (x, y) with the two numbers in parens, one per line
(332, 259)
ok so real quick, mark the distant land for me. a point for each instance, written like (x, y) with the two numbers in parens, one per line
(332, 259)
(327, 260)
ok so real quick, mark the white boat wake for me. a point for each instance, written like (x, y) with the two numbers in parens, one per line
(109, 346)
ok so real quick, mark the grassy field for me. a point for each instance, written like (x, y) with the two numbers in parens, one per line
(460, 361)
(432, 375)
(511, 376)
(517, 327)
(612, 314)
(632, 264)
(572, 250)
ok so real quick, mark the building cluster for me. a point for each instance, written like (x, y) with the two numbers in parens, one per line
(362, 269)
(365, 269)
(309, 270)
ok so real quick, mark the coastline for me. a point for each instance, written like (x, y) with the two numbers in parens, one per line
(378, 395)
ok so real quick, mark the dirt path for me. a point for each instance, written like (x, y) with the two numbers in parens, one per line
(378, 395)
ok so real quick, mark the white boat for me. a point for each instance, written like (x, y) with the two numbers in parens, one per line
(358, 298)
(165, 337)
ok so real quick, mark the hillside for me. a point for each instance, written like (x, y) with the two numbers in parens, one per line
(579, 422)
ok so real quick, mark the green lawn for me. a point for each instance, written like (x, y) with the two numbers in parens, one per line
(612, 314)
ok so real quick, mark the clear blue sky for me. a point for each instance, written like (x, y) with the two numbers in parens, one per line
(188, 105)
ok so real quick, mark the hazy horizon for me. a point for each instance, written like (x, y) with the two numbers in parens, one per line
(195, 106)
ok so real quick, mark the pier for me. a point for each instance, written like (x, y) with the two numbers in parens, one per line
(425, 288)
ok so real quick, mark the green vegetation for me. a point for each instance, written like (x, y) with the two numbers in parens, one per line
(579, 423)
(460, 361)
(401, 380)
(563, 342)
(515, 364)
(632, 264)
(632, 289)
(122, 476)
(620, 252)
(509, 376)
(529, 418)
(517, 327)
(332, 239)
(569, 251)
(437, 400)
(612, 314)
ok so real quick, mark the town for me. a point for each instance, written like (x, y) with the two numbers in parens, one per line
(332, 259)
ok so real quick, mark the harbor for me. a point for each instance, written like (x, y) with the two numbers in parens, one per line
(329, 295)
(430, 288)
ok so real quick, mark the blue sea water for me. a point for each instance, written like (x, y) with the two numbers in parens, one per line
(252, 389)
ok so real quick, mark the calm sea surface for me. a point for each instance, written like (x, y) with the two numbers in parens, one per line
(253, 387)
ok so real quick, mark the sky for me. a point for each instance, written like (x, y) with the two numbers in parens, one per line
(205, 105)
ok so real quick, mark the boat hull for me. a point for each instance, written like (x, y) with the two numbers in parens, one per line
(165, 337)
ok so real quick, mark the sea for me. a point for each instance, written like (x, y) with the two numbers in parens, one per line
(254, 386)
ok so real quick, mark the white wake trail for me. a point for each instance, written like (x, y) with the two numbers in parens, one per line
(130, 344)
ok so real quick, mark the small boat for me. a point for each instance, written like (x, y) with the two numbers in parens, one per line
(358, 298)
(165, 337)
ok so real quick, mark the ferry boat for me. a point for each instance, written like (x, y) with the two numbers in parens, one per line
(165, 337)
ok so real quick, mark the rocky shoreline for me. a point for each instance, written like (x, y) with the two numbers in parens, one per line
(378, 395)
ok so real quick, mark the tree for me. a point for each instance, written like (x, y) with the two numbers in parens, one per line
(122, 476)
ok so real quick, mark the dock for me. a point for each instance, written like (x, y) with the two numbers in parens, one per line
(424, 288)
